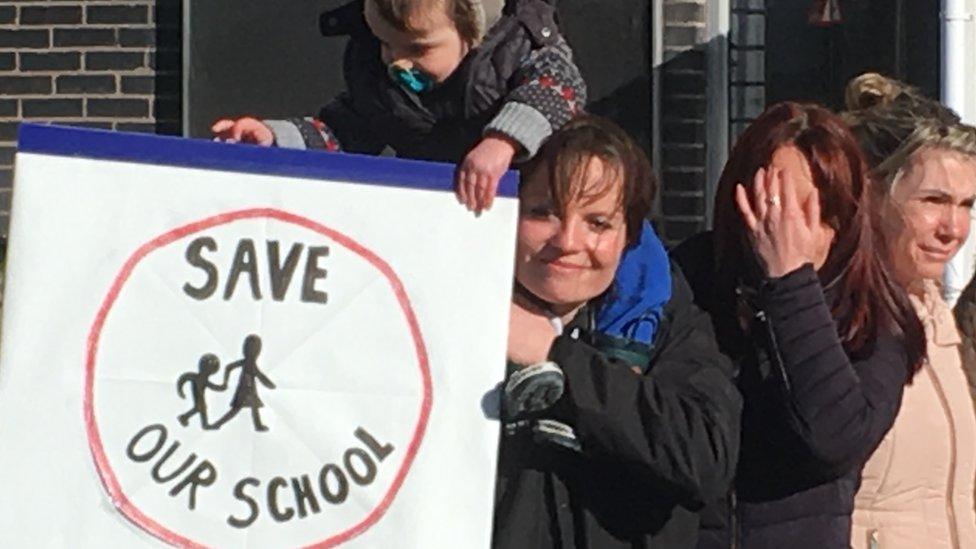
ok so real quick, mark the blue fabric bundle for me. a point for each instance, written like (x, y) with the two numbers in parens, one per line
(632, 312)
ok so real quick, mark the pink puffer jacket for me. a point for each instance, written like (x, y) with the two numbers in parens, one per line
(917, 487)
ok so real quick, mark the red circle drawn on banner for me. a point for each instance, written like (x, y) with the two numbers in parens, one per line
(110, 482)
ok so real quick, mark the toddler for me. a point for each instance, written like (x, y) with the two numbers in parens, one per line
(461, 81)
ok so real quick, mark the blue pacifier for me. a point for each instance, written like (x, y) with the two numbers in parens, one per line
(411, 79)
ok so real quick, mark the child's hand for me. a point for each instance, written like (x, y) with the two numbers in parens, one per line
(477, 177)
(243, 130)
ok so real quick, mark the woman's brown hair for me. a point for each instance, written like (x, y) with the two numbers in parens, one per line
(862, 294)
(568, 152)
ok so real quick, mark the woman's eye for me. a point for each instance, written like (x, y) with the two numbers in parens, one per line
(929, 201)
(600, 224)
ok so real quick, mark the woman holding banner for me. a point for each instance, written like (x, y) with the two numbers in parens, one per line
(823, 337)
(598, 452)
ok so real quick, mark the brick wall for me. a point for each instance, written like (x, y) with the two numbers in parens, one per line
(683, 110)
(108, 64)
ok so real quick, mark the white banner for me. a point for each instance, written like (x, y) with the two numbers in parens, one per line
(228, 346)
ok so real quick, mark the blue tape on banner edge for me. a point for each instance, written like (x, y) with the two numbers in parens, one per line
(203, 154)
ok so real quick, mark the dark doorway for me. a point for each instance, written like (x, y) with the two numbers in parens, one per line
(808, 62)
(265, 59)
(612, 43)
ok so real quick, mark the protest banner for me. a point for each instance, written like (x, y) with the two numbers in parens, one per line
(223, 345)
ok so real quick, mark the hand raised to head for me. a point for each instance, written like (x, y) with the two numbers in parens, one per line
(784, 233)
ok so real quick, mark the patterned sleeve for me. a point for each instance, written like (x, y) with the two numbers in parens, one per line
(338, 126)
(303, 133)
(548, 92)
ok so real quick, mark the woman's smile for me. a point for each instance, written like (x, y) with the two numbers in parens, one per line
(563, 264)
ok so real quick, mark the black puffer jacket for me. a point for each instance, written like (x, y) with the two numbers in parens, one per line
(655, 447)
(811, 415)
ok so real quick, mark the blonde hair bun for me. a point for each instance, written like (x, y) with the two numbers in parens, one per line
(871, 89)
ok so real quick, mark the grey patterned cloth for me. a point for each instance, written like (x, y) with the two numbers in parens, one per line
(550, 94)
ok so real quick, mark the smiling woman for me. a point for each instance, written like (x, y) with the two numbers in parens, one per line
(927, 212)
(596, 452)
(917, 487)
(567, 266)
(578, 210)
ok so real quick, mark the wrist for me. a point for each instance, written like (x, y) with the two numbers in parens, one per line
(506, 144)
(786, 270)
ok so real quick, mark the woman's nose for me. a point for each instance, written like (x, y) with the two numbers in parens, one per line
(568, 236)
(955, 224)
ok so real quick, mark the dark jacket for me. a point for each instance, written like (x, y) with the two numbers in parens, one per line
(811, 415)
(655, 446)
(520, 81)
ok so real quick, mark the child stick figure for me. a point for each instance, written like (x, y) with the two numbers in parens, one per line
(199, 383)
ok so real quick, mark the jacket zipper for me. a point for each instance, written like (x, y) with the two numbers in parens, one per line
(773, 357)
(772, 354)
(953, 534)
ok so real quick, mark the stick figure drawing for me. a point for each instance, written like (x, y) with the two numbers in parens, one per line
(199, 383)
(245, 394)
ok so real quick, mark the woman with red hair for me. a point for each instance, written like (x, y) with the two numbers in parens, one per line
(824, 341)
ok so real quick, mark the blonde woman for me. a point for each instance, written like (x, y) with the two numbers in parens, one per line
(917, 487)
